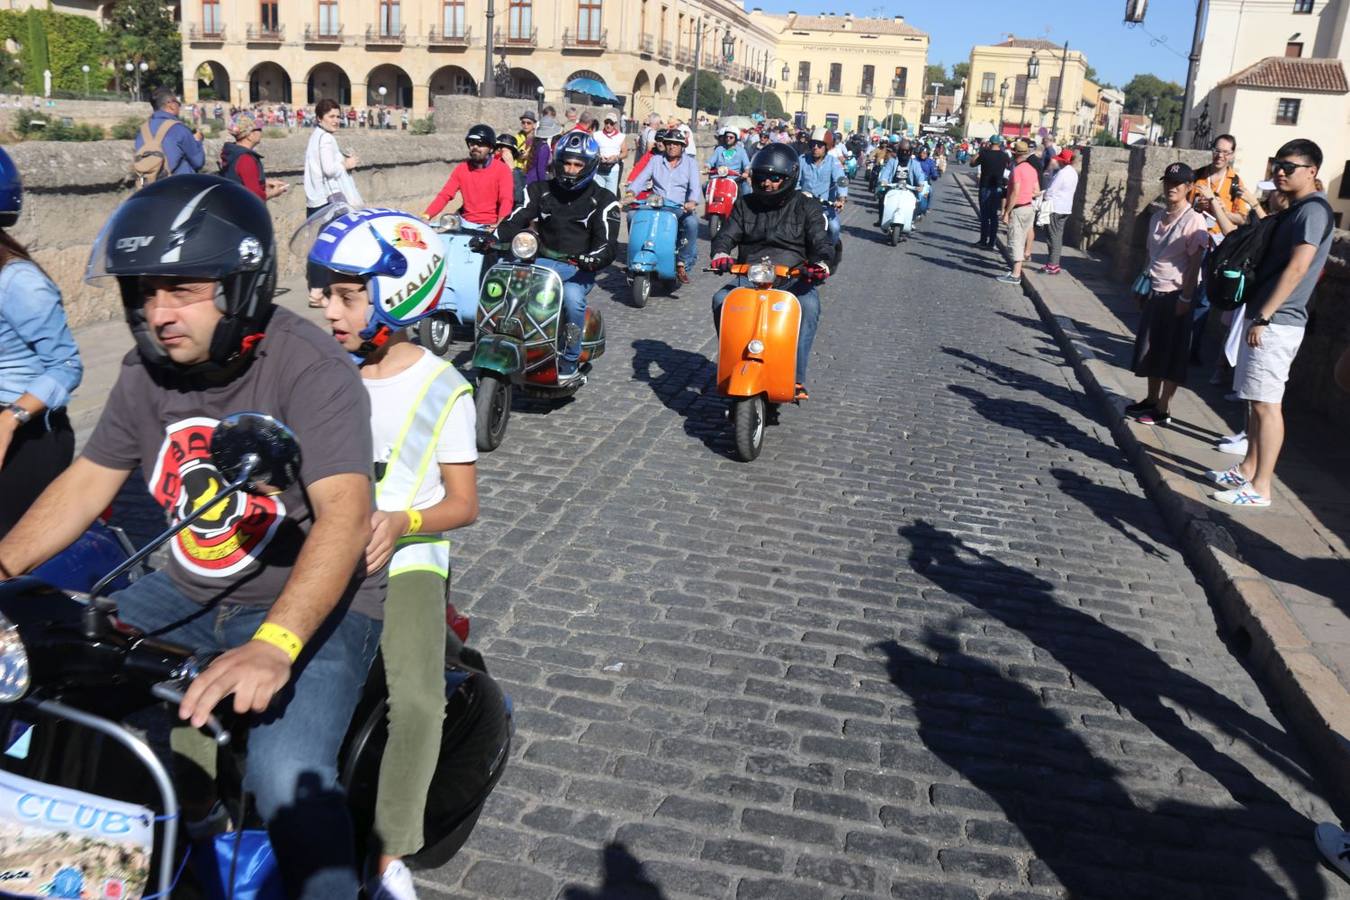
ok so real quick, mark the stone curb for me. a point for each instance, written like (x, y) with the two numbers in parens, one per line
(1316, 703)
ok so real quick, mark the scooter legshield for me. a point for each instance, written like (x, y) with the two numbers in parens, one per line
(898, 208)
(499, 353)
(722, 193)
(652, 235)
(772, 317)
(463, 273)
(593, 335)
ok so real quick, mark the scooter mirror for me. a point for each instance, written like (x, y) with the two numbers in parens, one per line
(248, 437)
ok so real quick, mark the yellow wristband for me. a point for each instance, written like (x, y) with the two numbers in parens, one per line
(414, 521)
(271, 633)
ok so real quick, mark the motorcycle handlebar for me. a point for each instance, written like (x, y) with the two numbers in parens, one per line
(778, 271)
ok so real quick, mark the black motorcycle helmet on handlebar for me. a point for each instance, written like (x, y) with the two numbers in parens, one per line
(775, 160)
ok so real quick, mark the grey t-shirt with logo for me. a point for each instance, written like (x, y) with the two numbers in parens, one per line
(1307, 222)
(243, 550)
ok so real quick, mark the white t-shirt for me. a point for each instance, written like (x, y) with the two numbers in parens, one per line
(610, 144)
(389, 401)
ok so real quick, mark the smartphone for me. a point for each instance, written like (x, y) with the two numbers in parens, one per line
(1265, 185)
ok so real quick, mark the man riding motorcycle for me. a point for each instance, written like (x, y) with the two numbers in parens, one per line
(484, 182)
(577, 219)
(822, 176)
(784, 224)
(676, 178)
(729, 153)
(277, 583)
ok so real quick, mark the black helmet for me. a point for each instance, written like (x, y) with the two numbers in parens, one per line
(480, 134)
(193, 226)
(580, 146)
(775, 159)
(676, 136)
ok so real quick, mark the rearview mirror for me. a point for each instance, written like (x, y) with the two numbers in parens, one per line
(259, 449)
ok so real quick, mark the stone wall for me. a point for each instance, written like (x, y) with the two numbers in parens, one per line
(1312, 388)
(70, 192)
(93, 112)
(1143, 188)
(1100, 200)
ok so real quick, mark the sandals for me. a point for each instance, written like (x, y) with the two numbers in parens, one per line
(1142, 406)
(801, 393)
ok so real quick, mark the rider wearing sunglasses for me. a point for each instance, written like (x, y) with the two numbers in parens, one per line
(484, 182)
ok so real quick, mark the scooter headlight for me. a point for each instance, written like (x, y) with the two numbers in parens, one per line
(14, 678)
(524, 245)
(755, 347)
(656, 201)
(760, 273)
(448, 222)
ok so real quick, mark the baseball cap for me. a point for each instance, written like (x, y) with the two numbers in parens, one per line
(1178, 173)
(528, 114)
(995, 138)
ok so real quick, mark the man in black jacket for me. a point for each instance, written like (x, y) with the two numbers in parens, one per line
(992, 162)
(578, 219)
(778, 222)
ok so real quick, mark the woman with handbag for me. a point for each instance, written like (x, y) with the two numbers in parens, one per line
(1177, 236)
(327, 180)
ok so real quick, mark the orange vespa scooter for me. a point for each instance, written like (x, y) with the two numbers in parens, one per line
(757, 351)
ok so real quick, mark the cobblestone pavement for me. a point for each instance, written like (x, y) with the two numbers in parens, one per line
(933, 643)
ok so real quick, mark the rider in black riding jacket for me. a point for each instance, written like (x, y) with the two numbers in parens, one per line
(787, 226)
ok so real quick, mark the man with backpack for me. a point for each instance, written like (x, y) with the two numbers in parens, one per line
(242, 163)
(165, 145)
(1285, 268)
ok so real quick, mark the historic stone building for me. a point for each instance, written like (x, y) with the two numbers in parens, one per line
(1009, 94)
(404, 52)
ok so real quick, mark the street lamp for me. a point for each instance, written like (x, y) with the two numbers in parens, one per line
(1002, 103)
(130, 67)
(539, 93)
(728, 56)
(937, 86)
(382, 90)
(764, 80)
(85, 69)
(489, 85)
(699, 28)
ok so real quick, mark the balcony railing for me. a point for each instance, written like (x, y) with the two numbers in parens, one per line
(572, 40)
(684, 56)
(516, 39)
(213, 33)
(378, 36)
(317, 34)
(986, 98)
(665, 50)
(260, 33)
(439, 37)
(647, 43)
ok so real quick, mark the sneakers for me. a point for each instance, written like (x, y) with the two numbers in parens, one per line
(567, 371)
(1008, 278)
(1243, 496)
(1235, 444)
(1142, 406)
(1160, 417)
(1228, 478)
(395, 884)
(1048, 269)
(1334, 845)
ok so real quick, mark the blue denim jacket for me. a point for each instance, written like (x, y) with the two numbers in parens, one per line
(824, 180)
(38, 355)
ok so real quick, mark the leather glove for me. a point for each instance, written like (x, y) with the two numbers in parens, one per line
(722, 262)
(480, 244)
(814, 273)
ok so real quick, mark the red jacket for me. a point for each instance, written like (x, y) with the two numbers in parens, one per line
(487, 192)
(637, 170)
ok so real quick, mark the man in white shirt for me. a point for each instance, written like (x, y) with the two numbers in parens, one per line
(613, 148)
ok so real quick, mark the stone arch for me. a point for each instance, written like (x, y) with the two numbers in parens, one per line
(396, 83)
(523, 84)
(659, 88)
(269, 83)
(327, 81)
(643, 101)
(213, 81)
(451, 80)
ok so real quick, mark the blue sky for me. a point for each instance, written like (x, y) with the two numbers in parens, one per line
(1093, 26)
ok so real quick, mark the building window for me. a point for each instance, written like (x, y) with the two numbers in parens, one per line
(869, 79)
(836, 76)
(389, 18)
(452, 18)
(1020, 91)
(1303, 6)
(268, 16)
(518, 26)
(588, 20)
(1293, 49)
(987, 88)
(803, 76)
(1286, 112)
(899, 81)
(1052, 95)
(210, 17)
(1223, 113)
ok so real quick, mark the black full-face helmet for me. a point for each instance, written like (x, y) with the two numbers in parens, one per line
(775, 159)
(480, 134)
(193, 226)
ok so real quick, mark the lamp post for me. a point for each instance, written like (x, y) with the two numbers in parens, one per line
(85, 69)
(489, 85)
(382, 90)
(698, 58)
(1059, 98)
(728, 57)
(130, 67)
(764, 80)
(539, 105)
(1002, 103)
(1033, 74)
(937, 86)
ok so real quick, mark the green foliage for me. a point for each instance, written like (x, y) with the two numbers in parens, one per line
(38, 61)
(935, 73)
(11, 73)
(423, 126)
(711, 93)
(78, 132)
(38, 127)
(57, 41)
(274, 132)
(126, 129)
(747, 101)
(144, 30)
(1161, 99)
(1105, 138)
(28, 123)
(960, 73)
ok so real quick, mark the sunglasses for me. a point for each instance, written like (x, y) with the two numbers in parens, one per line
(1285, 167)
(477, 144)
(773, 178)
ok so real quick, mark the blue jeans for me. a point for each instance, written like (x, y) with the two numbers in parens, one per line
(686, 246)
(291, 770)
(577, 283)
(990, 200)
(610, 182)
(832, 220)
(809, 299)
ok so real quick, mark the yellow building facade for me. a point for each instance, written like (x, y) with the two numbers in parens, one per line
(851, 71)
(299, 51)
(1002, 97)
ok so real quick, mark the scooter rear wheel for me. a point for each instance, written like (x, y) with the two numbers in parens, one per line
(895, 235)
(749, 419)
(436, 333)
(642, 289)
(492, 402)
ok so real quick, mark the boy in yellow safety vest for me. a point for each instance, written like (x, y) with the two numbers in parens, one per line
(390, 272)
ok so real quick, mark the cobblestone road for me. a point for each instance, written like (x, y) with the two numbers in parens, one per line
(934, 643)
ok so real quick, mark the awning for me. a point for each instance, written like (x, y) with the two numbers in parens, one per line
(590, 87)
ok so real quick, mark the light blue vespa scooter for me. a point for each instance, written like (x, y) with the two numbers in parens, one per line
(458, 308)
(653, 232)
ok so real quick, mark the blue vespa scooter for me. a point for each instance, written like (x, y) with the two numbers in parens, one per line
(458, 308)
(653, 232)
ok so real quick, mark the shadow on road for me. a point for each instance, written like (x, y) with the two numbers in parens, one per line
(625, 878)
(1070, 805)
(684, 381)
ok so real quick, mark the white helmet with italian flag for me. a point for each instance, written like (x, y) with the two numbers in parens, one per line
(398, 255)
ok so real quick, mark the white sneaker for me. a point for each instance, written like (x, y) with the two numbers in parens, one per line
(1235, 444)
(395, 884)
(1334, 845)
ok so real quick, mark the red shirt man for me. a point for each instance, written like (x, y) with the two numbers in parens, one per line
(484, 183)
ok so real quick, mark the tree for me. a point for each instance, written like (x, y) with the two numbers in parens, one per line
(960, 73)
(1105, 138)
(934, 73)
(711, 93)
(1091, 75)
(1161, 99)
(747, 102)
(144, 31)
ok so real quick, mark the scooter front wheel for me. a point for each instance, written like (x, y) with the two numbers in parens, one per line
(642, 289)
(714, 226)
(748, 416)
(436, 333)
(492, 402)
(895, 235)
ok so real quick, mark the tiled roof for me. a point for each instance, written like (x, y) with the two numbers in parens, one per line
(1028, 44)
(1292, 74)
(853, 24)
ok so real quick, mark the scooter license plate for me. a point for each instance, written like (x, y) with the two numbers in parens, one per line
(59, 842)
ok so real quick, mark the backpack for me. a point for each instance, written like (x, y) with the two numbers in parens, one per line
(1230, 269)
(149, 164)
